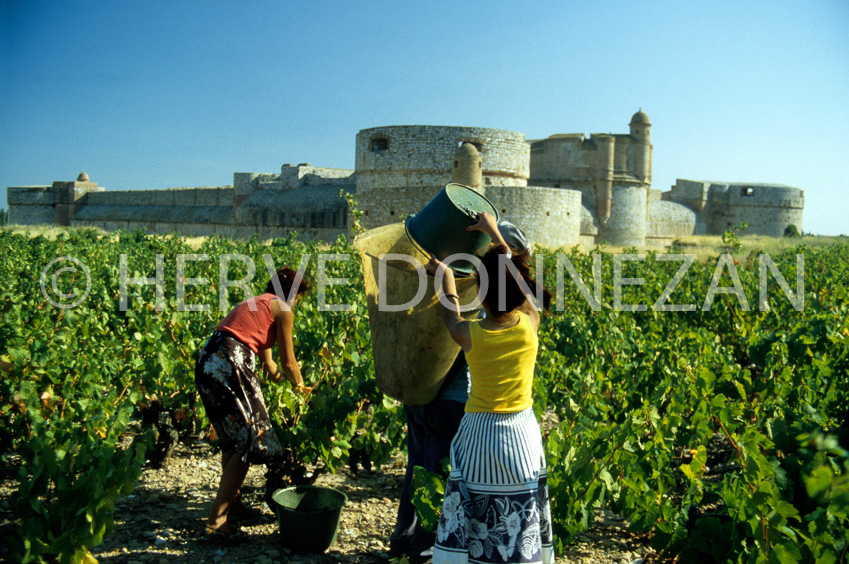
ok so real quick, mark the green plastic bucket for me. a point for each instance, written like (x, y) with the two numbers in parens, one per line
(308, 516)
(440, 228)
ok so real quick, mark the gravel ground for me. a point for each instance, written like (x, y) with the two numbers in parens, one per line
(162, 520)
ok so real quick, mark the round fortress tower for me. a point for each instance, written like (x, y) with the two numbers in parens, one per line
(767, 209)
(628, 222)
(400, 168)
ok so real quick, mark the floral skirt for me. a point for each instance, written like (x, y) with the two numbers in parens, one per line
(225, 377)
(496, 501)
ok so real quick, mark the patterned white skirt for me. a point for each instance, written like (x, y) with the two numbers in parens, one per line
(496, 501)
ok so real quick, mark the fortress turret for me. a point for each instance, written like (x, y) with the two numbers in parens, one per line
(467, 166)
(641, 134)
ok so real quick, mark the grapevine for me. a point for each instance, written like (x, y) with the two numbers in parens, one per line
(720, 432)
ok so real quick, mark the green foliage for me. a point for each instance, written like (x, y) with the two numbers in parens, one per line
(4, 217)
(792, 231)
(74, 378)
(356, 214)
(731, 239)
(426, 491)
(739, 414)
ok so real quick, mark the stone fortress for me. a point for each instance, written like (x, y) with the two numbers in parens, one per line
(562, 190)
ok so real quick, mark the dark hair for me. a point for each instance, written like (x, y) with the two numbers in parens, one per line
(286, 277)
(503, 281)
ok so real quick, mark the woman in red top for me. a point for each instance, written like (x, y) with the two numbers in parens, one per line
(226, 379)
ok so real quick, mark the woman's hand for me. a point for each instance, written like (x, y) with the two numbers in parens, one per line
(489, 225)
(269, 366)
(273, 372)
(486, 223)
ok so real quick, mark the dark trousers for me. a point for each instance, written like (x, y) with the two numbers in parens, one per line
(430, 429)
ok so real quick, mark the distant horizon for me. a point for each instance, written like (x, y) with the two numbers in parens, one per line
(150, 96)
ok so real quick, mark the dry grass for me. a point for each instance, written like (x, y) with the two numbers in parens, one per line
(704, 247)
(52, 231)
(46, 231)
(707, 246)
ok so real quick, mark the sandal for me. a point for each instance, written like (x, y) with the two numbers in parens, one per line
(227, 532)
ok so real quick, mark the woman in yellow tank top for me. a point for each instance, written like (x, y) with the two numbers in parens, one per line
(496, 506)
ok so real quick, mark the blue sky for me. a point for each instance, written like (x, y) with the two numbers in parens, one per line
(159, 94)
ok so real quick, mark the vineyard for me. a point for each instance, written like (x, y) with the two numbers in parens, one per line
(715, 418)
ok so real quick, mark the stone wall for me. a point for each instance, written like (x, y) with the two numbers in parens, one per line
(52, 205)
(314, 212)
(565, 159)
(768, 209)
(691, 193)
(230, 230)
(549, 216)
(627, 225)
(270, 207)
(582, 189)
(383, 208)
(303, 199)
(209, 196)
(594, 164)
(305, 175)
(670, 220)
(589, 223)
(400, 168)
(30, 205)
(421, 155)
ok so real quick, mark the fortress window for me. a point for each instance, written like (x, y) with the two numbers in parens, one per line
(379, 144)
(391, 212)
(747, 191)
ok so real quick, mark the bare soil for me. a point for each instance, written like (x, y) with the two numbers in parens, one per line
(162, 520)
